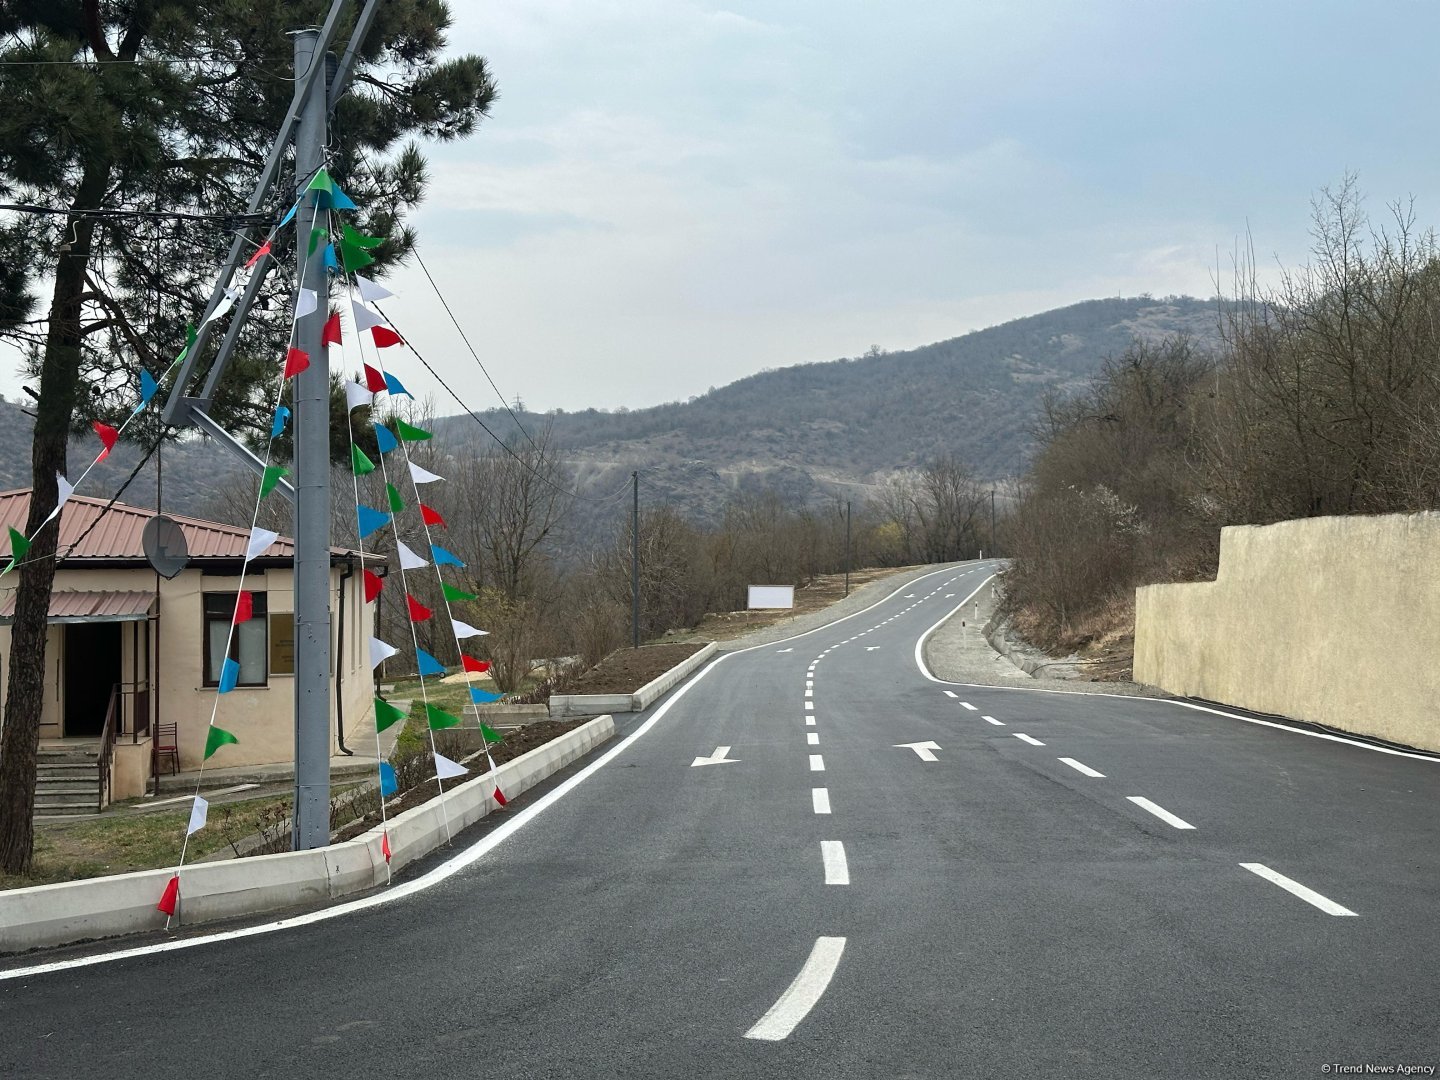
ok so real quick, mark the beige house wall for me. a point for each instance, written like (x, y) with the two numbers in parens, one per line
(1334, 620)
(261, 718)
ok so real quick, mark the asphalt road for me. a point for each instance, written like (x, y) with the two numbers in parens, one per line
(996, 911)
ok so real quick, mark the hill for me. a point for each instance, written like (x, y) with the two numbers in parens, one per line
(812, 431)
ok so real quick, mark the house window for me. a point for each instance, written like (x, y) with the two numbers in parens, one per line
(247, 644)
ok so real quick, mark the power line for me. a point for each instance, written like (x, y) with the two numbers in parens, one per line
(152, 215)
(443, 303)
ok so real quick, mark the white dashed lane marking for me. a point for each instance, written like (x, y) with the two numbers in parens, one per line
(1310, 896)
(1081, 768)
(817, 763)
(802, 994)
(1160, 812)
(837, 870)
(812, 738)
(820, 797)
(992, 720)
(1027, 738)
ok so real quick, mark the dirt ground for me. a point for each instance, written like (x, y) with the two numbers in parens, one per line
(627, 670)
(821, 593)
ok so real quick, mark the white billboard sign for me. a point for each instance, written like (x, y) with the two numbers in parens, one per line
(772, 596)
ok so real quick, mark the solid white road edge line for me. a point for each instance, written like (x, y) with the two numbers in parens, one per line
(1160, 812)
(1310, 896)
(820, 797)
(802, 994)
(832, 854)
(1078, 767)
(458, 862)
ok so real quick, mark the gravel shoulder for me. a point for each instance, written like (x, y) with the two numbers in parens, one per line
(958, 652)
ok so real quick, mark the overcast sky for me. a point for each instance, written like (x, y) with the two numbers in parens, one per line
(671, 195)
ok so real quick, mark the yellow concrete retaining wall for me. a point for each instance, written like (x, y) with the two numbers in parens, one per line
(1334, 620)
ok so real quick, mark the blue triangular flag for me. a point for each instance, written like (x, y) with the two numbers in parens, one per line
(385, 439)
(388, 784)
(428, 664)
(340, 201)
(229, 675)
(443, 557)
(370, 520)
(331, 263)
(482, 697)
(290, 214)
(395, 386)
(148, 386)
(278, 424)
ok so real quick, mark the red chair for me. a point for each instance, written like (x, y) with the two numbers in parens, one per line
(166, 745)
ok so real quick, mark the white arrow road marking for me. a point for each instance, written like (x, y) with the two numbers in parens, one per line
(802, 994)
(785, 650)
(1078, 767)
(909, 596)
(821, 798)
(1160, 812)
(718, 759)
(1028, 738)
(1310, 896)
(922, 749)
(949, 595)
(837, 870)
(871, 648)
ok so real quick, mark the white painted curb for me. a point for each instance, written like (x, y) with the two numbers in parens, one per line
(73, 911)
(566, 705)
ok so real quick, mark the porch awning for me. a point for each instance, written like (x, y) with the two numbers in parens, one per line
(87, 607)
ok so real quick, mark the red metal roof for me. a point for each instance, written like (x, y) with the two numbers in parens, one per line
(78, 606)
(118, 532)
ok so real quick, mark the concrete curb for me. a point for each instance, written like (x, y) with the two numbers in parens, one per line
(74, 911)
(566, 705)
(994, 633)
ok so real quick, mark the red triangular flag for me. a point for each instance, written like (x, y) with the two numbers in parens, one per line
(108, 435)
(244, 606)
(331, 336)
(374, 381)
(296, 361)
(263, 249)
(418, 611)
(430, 517)
(171, 896)
(500, 798)
(372, 586)
(385, 845)
(469, 663)
(385, 337)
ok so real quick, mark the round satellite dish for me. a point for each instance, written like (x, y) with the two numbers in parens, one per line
(165, 547)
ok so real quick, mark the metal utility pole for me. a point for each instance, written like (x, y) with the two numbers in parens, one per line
(312, 481)
(992, 521)
(847, 547)
(635, 564)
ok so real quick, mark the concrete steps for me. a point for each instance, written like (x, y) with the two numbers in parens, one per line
(67, 779)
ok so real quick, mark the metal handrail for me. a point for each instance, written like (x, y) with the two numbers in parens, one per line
(107, 744)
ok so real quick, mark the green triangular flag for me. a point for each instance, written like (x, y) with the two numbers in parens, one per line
(217, 738)
(271, 477)
(353, 257)
(360, 462)
(321, 181)
(394, 496)
(190, 336)
(453, 594)
(355, 238)
(386, 714)
(410, 433)
(439, 718)
(316, 235)
(489, 733)
(18, 544)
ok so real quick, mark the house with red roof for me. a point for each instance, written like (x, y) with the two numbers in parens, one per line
(136, 642)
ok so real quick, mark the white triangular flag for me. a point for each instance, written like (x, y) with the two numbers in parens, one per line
(221, 308)
(463, 630)
(370, 292)
(197, 815)
(445, 768)
(357, 395)
(408, 559)
(306, 301)
(379, 652)
(422, 476)
(66, 490)
(260, 539)
(364, 317)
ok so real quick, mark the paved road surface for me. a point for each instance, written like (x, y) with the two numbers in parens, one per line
(828, 903)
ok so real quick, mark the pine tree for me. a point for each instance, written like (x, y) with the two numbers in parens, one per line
(167, 108)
